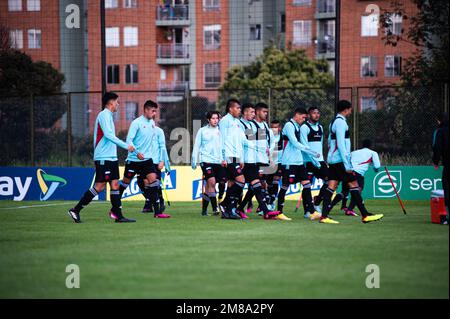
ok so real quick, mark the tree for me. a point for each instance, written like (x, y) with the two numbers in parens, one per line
(28, 87)
(429, 31)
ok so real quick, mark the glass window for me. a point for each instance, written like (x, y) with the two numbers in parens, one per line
(112, 37)
(211, 5)
(34, 39)
(301, 3)
(302, 32)
(211, 36)
(131, 74)
(16, 39)
(368, 103)
(369, 25)
(368, 66)
(130, 3)
(395, 24)
(130, 36)
(212, 74)
(112, 74)
(14, 5)
(131, 111)
(392, 65)
(34, 5)
(109, 4)
(255, 32)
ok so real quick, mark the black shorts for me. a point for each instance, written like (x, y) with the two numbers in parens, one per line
(233, 170)
(317, 172)
(251, 172)
(337, 172)
(294, 173)
(142, 168)
(106, 171)
(157, 171)
(278, 173)
(213, 170)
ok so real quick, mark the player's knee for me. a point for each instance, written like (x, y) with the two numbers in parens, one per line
(99, 187)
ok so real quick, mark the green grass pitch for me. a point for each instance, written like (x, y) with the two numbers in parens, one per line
(190, 256)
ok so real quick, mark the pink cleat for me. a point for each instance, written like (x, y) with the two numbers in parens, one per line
(249, 210)
(271, 215)
(162, 216)
(242, 214)
(349, 212)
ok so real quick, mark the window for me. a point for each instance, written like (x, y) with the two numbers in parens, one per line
(368, 103)
(112, 37)
(302, 32)
(369, 25)
(163, 74)
(255, 32)
(16, 39)
(14, 5)
(131, 111)
(299, 3)
(395, 24)
(34, 5)
(130, 3)
(392, 65)
(211, 36)
(283, 22)
(130, 36)
(109, 4)
(212, 75)
(211, 5)
(34, 39)
(368, 66)
(112, 74)
(131, 74)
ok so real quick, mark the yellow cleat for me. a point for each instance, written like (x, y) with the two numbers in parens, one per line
(315, 216)
(372, 218)
(283, 217)
(328, 220)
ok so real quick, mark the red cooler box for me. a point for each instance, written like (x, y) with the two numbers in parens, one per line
(437, 203)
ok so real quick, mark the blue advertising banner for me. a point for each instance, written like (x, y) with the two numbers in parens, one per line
(46, 183)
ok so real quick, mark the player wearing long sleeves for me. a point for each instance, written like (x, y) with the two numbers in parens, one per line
(256, 148)
(106, 162)
(155, 149)
(311, 134)
(440, 152)
(274, 178)
(208, 151)
(232, 149)
(340, 167)
(292, 162)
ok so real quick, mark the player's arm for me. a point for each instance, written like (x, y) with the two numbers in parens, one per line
(437, 146)
(223, 132)
(110, 134)
(196, 149)
(376, 161)
(163, 150)
(289, 131)
(340, 140)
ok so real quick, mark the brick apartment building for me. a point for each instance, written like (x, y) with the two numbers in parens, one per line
(168, 46)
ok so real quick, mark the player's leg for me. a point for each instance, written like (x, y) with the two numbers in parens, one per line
(114, 194)
(141, 182)
(288, 178)
(334, 176)
(89, 195)
(351, 207)
(355, 194)
(321, 173)
(302, 175)
(128, 174)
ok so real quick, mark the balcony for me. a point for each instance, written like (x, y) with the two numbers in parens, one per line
(326, 47)
(171, 91)
(326, 9)
(168, 16)
(177, 53)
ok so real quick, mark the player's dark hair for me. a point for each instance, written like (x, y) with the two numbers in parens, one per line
(275, 122)
(108, 96)
(300, 110)
(230, 102)
(367, 143)
(260, 106)
(312, 108)
(343, 105)
(247, 106)
(150, 104)
(210, 114)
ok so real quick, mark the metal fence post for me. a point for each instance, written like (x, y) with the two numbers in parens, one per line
(355, 93)
(269, 102)
(69, 130)
(32, 130)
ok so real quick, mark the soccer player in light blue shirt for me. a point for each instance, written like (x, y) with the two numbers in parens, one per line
(106, 162)
(273, 180)
(292, 162)
(233, 152)
(311, 134)
(208, 151)
(340, 167)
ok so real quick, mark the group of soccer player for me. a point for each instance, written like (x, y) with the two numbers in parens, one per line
(233, 151)
(241, 149)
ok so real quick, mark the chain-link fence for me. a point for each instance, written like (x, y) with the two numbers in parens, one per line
(57, 130)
